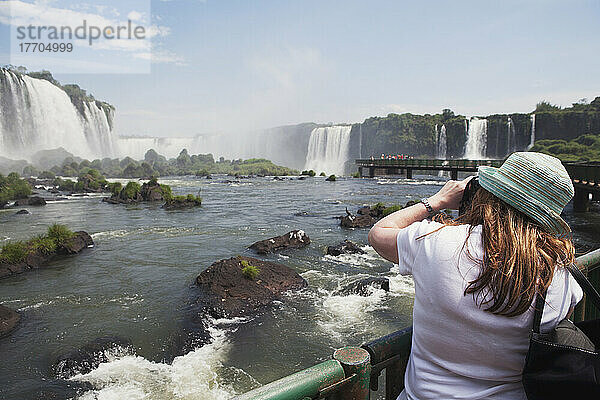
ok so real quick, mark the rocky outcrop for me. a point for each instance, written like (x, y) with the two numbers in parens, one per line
(90, 355)
(31, 201)
(8, 320)
(292, 240)
(38, 259)
(22, 212)
(364, 287)
(357, 221)
(345, 247)
(226, 292)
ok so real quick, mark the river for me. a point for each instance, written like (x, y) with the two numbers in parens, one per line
(135, 283)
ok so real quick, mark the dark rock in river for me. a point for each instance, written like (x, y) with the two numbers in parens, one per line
(226, 292)
(357, 221)
(89, 356)
(38, 259)
(77, 243)
(291, 240)
(345, 247)
(364, 287)
(31, 201)
(8, 320)
(22, 212)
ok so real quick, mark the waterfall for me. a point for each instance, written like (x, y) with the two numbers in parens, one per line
(511, 137)
(532, 138)
(38, 115)
(360, 141)
(476, 145)
(328, 149)
(442, 146)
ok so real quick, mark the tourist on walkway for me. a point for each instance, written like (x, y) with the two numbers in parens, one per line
(476, 278)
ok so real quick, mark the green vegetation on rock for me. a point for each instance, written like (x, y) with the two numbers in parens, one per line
(249, 271)
(12, 187)
(14, 252)
(310, 173)
(59, 234)
(17, 251)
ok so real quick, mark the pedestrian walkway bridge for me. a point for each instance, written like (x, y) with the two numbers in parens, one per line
(585, 175)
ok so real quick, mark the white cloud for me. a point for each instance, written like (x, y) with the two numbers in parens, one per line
(43, 13)
(135, 16)
(162, 57)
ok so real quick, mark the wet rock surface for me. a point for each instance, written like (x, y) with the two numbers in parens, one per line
(9, 320)
(31, 201)
(292, 240)
(90, 355)
(38, 259)
(357, 221)
(345, 247)
(224, 291)
(364, 287)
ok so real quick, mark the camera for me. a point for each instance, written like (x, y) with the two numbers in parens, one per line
(468, 195)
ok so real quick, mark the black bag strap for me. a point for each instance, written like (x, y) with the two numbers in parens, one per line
(581, 279)
(585, 284)
(540, 300)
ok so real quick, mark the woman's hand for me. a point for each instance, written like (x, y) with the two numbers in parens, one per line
(449, 195)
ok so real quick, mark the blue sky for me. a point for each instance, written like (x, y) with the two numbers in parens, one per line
(222, 66)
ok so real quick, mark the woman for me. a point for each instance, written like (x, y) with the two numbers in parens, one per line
(476, 278)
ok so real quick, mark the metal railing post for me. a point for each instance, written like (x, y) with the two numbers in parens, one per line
(355, 361)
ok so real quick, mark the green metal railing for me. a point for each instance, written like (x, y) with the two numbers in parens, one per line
(355, 371)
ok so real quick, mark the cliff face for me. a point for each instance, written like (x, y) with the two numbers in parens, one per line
(567, 124)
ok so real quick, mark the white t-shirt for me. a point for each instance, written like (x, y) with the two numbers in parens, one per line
(458, 350)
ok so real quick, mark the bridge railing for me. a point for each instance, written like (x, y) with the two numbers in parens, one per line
(586, 173)
(428, 163)
(354, 372)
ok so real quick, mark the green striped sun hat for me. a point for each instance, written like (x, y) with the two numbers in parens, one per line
(535, 184)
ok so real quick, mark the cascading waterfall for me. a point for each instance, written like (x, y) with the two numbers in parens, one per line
(360, 141)
(476, 145)
(442, 145)
(328, 149)
(532, 137)
(38, 115)
(511, 137)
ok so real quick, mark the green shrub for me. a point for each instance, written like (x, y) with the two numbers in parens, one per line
(115, 188)
(167, 192)
(311, 173)
(46, 175)
(249, 271)
(131, 191)
(356, 175)
(14, 252)
(322, 174)
(392, 209)
(331, 178)
(59, 234)
(43, 243)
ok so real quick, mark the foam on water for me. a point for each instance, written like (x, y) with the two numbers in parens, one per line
(196, 375)
(368, 259)
(412, 182)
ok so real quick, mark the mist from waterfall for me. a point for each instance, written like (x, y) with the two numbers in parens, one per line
(442, 145)
(328, 149)
(532, 137)
(38, 115)
(476, 145)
